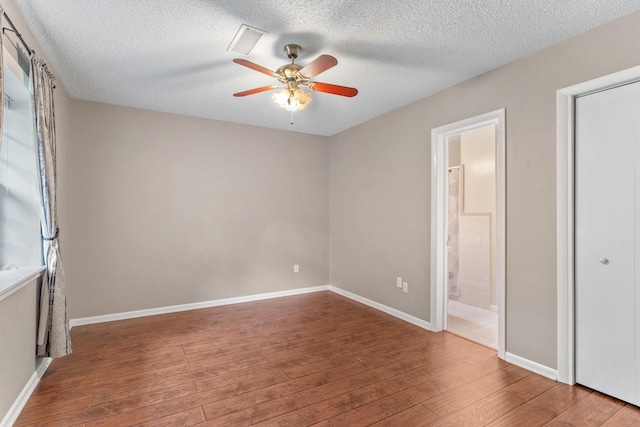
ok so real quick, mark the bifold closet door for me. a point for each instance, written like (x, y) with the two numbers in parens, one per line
(607, 231)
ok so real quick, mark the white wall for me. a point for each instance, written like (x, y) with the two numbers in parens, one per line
(168, 209)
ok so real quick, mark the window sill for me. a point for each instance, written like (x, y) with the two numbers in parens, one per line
(12, 281)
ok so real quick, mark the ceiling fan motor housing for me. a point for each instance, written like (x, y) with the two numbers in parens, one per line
(289, 71)
(293, 50)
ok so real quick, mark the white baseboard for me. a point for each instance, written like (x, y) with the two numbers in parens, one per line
(216, 303)
(192, 306)
(532, 366)
(392, 311)
(25, 394)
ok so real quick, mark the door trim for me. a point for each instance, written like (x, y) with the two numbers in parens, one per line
(439, 205)
(565, 119)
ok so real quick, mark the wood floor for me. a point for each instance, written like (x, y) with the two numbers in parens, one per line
(315, 359)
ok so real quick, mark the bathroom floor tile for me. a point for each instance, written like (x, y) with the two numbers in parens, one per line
(472, 323)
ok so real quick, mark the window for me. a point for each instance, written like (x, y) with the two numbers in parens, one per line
(20, 241)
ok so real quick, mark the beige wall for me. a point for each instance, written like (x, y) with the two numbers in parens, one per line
(380, 184)
(453, 144)
(168, 210)
(18, 338)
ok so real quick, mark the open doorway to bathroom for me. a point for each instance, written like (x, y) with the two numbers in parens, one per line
(472, 202)
(471, 292)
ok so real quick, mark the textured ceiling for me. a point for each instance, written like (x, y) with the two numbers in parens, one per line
(171, 56)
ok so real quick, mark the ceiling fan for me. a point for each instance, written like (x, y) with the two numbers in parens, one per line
(293, 78)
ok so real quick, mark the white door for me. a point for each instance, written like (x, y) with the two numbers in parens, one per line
(607, 242)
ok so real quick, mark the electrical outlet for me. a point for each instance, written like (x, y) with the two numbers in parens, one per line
(399, 282)
(296, 268)
(405, 287)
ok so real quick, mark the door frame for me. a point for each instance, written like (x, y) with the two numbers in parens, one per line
(439, 206)
(565, 186)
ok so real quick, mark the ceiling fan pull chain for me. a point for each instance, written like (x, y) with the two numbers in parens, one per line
(291, 112)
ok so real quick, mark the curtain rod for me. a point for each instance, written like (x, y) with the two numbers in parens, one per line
(14, 30)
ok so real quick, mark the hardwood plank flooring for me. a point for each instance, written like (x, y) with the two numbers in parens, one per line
(309, 360)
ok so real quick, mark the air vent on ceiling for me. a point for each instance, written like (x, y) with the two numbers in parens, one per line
(245, 40)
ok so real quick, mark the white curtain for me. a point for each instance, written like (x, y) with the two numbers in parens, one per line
(53, 328)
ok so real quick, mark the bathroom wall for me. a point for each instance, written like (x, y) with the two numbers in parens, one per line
(478, 155)
(453, 218)
(474, 275)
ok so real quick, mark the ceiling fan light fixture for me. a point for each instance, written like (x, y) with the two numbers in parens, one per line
(302, 98)
(291, 99)
(245, 39)
(280, 98)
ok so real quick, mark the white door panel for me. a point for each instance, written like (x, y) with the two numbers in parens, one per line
(607, 141)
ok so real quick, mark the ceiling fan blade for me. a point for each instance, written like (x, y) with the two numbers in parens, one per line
(333, 89)
(319, 65)
(256, 90)
(256, 67)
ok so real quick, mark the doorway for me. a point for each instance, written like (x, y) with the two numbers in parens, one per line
(468, 229)
(471, 303)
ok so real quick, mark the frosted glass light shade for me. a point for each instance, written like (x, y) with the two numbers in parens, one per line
(292, 99)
